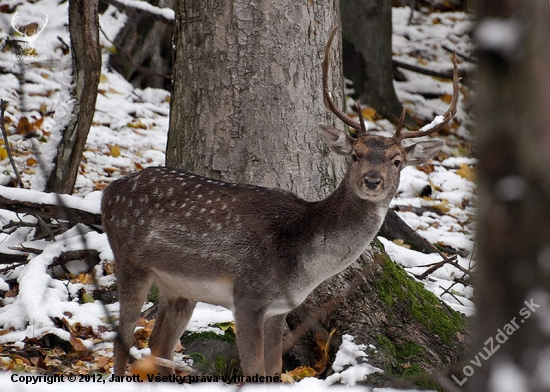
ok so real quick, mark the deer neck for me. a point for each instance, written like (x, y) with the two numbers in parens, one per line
(344, 225)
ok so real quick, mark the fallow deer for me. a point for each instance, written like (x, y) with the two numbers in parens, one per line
(256, 251)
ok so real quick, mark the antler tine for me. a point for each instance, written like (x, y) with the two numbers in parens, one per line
(449, 114)
(326, 93)
(361, 119)
(400, 123)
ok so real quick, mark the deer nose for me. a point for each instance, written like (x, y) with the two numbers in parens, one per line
(372, 179)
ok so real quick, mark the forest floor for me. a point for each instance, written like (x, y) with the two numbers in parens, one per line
(53, 318)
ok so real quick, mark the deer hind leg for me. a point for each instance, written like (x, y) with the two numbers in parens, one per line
(173, 316)
(250, 340)
(133, 286)
(273, 344)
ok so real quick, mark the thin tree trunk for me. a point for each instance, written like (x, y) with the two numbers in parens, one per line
(247, 93)
(513, 240)
(83, 27)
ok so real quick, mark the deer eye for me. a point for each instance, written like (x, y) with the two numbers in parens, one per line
(354, 157)
(397, 162)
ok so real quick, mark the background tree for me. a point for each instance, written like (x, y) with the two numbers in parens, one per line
(83, 27)
(367, 53)
(513, 144)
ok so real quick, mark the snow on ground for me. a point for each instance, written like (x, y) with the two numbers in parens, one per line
(129, 133)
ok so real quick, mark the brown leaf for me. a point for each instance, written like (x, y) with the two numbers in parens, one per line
(322, 350)
(77, 344)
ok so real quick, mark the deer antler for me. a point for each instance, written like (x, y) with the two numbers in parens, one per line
(46, 19)
(361, 128)
(443, 120)
(14, 24)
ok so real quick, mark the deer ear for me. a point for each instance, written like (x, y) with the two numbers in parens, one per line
(421, 152)
(336, 139)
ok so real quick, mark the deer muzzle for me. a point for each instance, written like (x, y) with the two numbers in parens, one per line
(372, 180)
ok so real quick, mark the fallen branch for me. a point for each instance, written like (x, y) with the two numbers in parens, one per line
(429, 72)
(49, 205)
(50, 211)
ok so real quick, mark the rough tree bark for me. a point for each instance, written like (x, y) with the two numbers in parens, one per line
(247, 93)
(367, 53)
(513, 143)
(83, 27)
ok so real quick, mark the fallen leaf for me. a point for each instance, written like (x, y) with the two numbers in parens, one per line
(114, 150)
(466, 172)
(77, 344)
(143, 367)
(369, 113)
(442, 206)
(302, 372)
(322, 350)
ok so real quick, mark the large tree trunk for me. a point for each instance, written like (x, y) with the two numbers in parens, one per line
(367, 52)
(513, 143)
(84, 30)
(247, 93)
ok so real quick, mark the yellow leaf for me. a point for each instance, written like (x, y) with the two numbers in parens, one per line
(114, 150)
(102, 78)
(302, 372)
(369, 113)
(443, 206)
(31, 161)
(87, 298)
(3, 153)
(466, 172)
(287, 378)
(228, 325)
(447, 98)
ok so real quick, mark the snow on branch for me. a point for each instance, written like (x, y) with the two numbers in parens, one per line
(165, 15)
(52, 205)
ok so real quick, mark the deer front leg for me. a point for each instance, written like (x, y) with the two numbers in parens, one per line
(273, 344)
(250, 341)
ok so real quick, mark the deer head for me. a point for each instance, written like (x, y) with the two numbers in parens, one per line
(377, 160)
(30, 32)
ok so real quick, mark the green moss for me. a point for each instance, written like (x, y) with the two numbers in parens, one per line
(208, 361)
(227, 336)
(407, 359)
(154, 294)
(398, 287)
